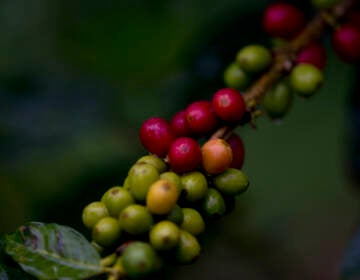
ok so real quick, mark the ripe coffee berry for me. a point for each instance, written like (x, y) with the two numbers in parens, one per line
(238, 151)
(201, 117)
(314, 54)
(184, 155)
(283, 20)
(229, 104)
(217, 156)
(346, 43)
(156, 136)
(179, 124)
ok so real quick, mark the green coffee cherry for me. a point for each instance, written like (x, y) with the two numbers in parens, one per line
(324, 4)
(214, 203)
(141, 176)
(305, 79)
(116, 199)
(193, 222)
(194, 185)
(235, 77)
(164, 235)
(254, 58)
(232, 181)
(93, 212)
(106, 231)
(135, 219)
(139, 260)
(173, 178)
(176, 215)
(188, 248)
(155, 161)
(277, 100)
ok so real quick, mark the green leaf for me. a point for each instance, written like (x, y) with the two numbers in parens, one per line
(52, 251)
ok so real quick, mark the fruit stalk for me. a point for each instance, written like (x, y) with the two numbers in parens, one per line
(284, 59)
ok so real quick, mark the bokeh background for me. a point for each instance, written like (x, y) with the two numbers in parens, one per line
(77, 79)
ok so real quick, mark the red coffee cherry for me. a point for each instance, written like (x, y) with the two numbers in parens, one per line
(346, 43)
(229, 104)
(201, 117)
(184, 155)
(283, 20)
(314, 54)
(179, 124)
(238, 151)
(156, 136)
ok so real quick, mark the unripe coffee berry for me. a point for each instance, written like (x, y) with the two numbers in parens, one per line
(179, 124)
(305, 79)
(229, 104)
(283, 20)
(214, 204)
(162, 197)
(314, 54)
(155, 161)
(277, 100)
(194, 186)
(106, 231)
(135, 219)
(346, 43)
(193, 222)
(235, 77)
(254, 58)
(201, 117)
(116, 199)
(188, 248)
(232, 182)
(156, 136)
(164, 235)
(238, 150)
(184, 155)
(94, 212)
(217, 156)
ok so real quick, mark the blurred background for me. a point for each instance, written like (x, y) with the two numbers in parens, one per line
(77, 79)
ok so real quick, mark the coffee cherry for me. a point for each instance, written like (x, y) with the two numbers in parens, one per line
(277, 100)
(164, 235)
(184, 155)
(188, 248)
(346, 43)
(324, 4)
(235, 77)
(193, 222)
(93, 213)
(106, 231)
(116, 199)
(200, 117)
(232, 182)
(156, 136)
(214, 204)
(229, 105)
(254, 58)
(141, 176)
(176, 215)
(194, 185)
(314, 54)
(179, 124)
(135, 219)
(238, 150)
(305, 79)
(173, 178)
(155, 161)
(139, 260)
(217, 156)
(162, 197)
(283, 20)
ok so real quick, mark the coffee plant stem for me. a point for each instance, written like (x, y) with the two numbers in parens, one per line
(284, 59)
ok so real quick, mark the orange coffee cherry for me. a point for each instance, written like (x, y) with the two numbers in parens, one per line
(217, 156)
(162, 197)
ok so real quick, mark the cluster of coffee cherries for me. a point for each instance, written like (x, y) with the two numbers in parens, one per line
(282, 22)
(187, 179)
